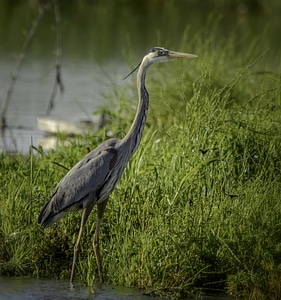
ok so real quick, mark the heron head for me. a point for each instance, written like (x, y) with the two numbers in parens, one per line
(159, 54)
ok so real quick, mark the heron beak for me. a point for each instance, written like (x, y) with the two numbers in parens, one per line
(180, 55)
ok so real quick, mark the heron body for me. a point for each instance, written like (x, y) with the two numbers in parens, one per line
(91, 181)
(77, 188)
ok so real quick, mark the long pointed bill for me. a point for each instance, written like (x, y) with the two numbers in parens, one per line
(180, 55)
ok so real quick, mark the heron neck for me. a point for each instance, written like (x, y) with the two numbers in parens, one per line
(133, 137)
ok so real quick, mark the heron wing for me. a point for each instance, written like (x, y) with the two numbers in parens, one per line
(80, 184)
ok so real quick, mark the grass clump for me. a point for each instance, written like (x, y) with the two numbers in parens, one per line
(198, 207)
(206, 210)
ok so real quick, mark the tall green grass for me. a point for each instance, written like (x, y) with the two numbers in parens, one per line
(198, 207)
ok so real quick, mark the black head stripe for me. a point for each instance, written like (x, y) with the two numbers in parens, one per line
(161, 51)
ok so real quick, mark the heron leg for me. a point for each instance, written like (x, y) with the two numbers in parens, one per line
(85, 215)
(101, 209)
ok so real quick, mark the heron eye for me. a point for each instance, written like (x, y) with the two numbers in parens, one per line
(159, 51)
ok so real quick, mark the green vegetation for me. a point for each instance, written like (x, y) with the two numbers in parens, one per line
(198, 208)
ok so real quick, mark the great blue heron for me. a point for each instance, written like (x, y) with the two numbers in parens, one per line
(91, 181)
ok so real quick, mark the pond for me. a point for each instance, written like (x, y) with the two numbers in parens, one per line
(101, 42)
(23, 289)
(29, 289)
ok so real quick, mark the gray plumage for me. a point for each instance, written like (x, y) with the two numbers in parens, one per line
(91, 181)
(86, 181)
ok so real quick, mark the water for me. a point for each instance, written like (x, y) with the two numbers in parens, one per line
(29, 289)
(86, 87)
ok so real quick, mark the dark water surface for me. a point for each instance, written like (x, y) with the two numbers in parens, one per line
(31, 289)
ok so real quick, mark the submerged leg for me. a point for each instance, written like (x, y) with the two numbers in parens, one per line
(85, 215)
(101, 209)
